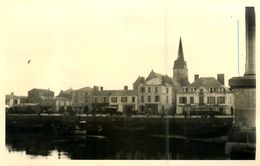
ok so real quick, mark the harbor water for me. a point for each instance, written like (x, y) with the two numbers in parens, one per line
(96, 147)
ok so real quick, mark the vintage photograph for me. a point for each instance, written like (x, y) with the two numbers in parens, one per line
(129, 79)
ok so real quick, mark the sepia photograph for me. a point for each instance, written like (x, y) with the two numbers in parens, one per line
(128, 80)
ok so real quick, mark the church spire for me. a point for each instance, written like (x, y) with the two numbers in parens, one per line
(180, 62)
(180, 51)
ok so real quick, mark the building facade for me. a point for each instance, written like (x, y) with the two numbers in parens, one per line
(62, 104)
(124, 100)
(100, 98)
(82, 99)
(155, 94)
(38, 95)
(13, 100)
(206, 93)
(43, 97)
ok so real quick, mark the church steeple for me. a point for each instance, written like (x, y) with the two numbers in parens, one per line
(180, 51)
(180, 62)
(180, 71)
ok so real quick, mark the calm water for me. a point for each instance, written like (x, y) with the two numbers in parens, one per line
(44, 145)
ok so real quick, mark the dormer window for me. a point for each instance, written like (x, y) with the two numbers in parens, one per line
(222, 89)
(184, 89)
(212, 90)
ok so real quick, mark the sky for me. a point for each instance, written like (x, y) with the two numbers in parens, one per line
(109, 43)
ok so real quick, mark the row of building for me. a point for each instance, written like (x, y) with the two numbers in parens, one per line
(156, 93)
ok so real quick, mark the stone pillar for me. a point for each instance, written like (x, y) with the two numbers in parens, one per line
(250, 41)
(244, 88)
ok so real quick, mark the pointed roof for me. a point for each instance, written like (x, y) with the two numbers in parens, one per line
(154, 75)
(85, 89)
(139, 80)
(180, 62)
(180, 51)
(165, 79)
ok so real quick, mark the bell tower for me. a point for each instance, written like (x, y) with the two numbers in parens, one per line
(180, 71)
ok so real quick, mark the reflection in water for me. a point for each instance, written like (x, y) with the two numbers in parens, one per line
(99, 147)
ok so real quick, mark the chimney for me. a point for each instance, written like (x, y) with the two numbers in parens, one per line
(96, 88)
(196, 76)
(250, 41)
(221, 78)
(125, 87)
(101, 88)
(12, 93)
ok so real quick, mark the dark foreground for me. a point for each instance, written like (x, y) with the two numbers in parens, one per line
(118, 137)
(122, 126)
(97, 147)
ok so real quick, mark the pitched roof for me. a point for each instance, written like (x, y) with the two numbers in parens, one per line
(42, 90)
(171, 81)
(85, 89)
(207, 82)
(165, 78)
(154, 75)
(139, 80)
(68, 91)
(8, 97)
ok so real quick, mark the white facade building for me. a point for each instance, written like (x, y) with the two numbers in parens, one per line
(156, 94)
(206, 93)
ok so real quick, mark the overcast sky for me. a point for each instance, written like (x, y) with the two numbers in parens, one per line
(110, 43)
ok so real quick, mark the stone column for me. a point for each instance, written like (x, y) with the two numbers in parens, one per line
(250, 41)
(244, 88)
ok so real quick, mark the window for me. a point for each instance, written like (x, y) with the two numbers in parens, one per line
(149, 99)
(191, 100)
(123, 99)
(142, 98)
(157, 98)
(184, 89)
(156, 89)
(167, 99)
(15, 101)
(105, 99)
(133, 99)
(95, 99)
(221, 100)
(142, 89)
(201, 100)
(183, 100)
(113, 99)
(222, 89)
(211, 90)
(211, 100)
(149, 89)
(167, 90)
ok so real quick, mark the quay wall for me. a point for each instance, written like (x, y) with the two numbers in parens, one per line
(143, 125)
